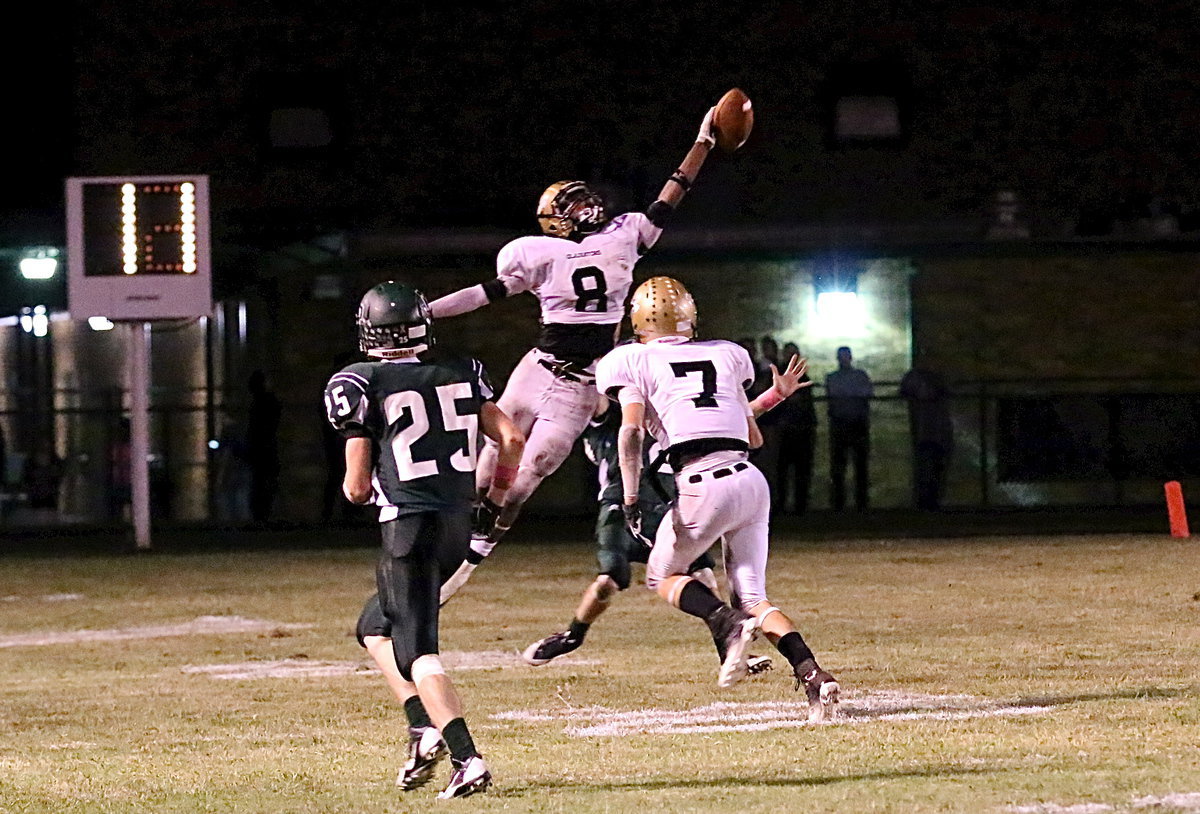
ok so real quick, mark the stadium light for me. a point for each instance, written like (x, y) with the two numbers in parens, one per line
(39, 263)
(839, 309)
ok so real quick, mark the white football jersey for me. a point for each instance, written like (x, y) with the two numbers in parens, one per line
(691, 389)
(584, 282)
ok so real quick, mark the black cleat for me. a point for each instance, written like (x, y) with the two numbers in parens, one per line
(470, 777)
(823, 693)
(551, 647)
(425, 749)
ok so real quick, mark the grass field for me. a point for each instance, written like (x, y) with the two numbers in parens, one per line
(1035, 674)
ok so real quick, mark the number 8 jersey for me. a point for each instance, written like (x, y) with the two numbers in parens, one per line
(581, 285)
(692, 389)
(423, 416)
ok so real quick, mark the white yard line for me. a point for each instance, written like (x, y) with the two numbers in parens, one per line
(886, 705)
(199, 625)
(1185, 801)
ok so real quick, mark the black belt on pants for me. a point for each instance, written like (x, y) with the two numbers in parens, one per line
(565, 370)
(724, 472)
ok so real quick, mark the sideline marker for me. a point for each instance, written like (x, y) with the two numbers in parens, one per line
(1176, 511)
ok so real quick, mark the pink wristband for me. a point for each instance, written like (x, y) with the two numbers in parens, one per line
(504, 477)
(769, 399)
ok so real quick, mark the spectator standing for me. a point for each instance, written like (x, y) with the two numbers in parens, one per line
(848, 391)
(931, 431)
(797, 428)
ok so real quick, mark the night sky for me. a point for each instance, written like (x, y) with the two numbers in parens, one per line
(461, 115)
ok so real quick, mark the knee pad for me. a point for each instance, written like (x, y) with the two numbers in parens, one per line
(425, 666)
(606, 587)
(763, 616)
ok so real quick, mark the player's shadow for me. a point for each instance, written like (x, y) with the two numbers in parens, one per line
(1133, 694)
(755, 782)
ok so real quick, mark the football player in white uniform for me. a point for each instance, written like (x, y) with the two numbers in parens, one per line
(581, 270)
(691, 395)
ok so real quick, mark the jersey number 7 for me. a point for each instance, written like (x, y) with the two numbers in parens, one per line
(708, 380)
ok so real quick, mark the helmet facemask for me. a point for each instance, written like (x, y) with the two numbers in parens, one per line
(571, 207)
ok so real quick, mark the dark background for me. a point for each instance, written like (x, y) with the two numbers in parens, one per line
(443, 115)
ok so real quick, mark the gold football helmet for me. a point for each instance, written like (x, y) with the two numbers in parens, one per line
(567, 207)
(663, 307)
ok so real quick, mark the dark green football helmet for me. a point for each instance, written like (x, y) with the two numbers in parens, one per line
(394, 321)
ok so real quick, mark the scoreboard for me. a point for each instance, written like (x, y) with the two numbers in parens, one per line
(138, 247)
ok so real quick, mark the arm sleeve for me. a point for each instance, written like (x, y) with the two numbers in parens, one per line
(460, 302)
(347, 404)
(644, 230)
(517, 269)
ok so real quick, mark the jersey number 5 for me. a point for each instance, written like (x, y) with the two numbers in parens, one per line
(412, 402)
(708, 380)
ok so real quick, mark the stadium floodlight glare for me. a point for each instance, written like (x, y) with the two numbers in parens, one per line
(100, 323)
(839, 310)
(39, 264)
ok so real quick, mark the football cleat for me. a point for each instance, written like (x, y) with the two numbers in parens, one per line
(551, 647)
(823, 693)
(758, 664)
(470, 776)
(458, 579)
(425, 749)
(738, 629)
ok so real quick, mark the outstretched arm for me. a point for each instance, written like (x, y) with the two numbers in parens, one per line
(782, 385)
(468, 299)
(681, 180)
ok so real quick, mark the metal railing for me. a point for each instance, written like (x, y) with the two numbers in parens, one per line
(1056, 443)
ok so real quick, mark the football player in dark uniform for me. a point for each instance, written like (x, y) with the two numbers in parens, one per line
(411, 419)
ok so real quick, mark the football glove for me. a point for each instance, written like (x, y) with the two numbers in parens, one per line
(706, 134)
(483, 518)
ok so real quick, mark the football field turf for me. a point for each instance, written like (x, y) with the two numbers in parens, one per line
(1006, 674)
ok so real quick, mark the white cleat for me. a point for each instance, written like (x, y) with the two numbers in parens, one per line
(470, 777)
(735, 668)
(425, 749)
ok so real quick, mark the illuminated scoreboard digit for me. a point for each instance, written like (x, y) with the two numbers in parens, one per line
(138, 247)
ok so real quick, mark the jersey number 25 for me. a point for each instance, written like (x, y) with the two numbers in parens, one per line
(411, 401)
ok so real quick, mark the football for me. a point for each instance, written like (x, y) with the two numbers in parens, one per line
(733, 120)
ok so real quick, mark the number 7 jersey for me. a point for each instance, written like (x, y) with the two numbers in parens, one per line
(692, 389)
(423, 417)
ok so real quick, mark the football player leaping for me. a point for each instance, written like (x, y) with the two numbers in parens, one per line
(411, 420)
(581, 270)
(616, 546)
(691, 396)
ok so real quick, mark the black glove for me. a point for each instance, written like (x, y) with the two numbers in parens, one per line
(483, 518)
(633, 522)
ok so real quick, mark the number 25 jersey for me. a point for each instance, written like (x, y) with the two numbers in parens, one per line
(423, 417)
(692, 389)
